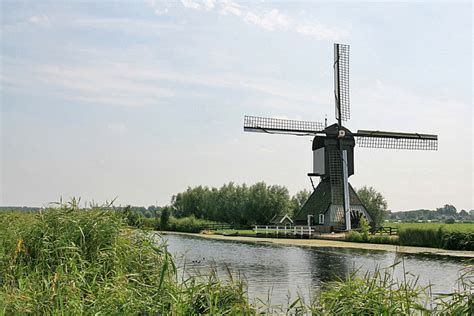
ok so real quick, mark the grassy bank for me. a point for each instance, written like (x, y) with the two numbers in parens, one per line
(71, 261)
(438, 236)
(424, 235)
(67, 260)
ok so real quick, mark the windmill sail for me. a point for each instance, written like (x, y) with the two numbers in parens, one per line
(341, 81)
(281, 126)
(395, 140)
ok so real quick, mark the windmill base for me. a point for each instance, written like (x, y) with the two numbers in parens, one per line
(320, 209)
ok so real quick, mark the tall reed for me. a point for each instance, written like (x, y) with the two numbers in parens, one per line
(66, 260)
(71, 261)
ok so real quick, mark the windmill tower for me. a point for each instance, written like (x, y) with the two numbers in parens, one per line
(334, 202)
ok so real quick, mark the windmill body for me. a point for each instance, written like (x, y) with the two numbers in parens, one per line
(334, 204)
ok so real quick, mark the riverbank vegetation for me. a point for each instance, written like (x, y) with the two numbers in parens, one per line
(68, 260)
(437, 236)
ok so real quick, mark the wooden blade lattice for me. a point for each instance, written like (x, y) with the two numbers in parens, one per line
(397, 143)
(341, 81)
(281, 126)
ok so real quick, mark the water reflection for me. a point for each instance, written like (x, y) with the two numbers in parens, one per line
(284, 271)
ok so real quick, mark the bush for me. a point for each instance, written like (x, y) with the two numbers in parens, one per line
(458, 240)
(188, 224)
(354, 237)
(450, 221)
(364, 228)
(421, 237)
(374, 239)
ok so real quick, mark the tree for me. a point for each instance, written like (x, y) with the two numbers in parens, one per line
(131, 217)
(298, 200)
(374, 202)
(165, 217)
(463, 214)
(447, 209)
(450, 220)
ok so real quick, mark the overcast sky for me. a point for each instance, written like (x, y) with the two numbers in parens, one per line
(141, 99)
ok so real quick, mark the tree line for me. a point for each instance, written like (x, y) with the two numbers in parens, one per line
(237, 204)
(447, 214)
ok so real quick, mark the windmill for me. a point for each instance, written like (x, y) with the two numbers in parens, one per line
(334, 202)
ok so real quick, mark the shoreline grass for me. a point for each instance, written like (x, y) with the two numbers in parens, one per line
(70, 261)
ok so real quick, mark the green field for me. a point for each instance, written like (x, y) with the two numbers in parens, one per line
(448, 227)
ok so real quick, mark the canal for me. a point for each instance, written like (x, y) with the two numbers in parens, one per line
(282, 272)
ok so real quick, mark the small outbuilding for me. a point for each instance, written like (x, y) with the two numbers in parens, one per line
(281, 220)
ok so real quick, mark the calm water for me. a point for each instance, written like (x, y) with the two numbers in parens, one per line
(285, 271)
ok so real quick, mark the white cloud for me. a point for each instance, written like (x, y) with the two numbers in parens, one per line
(158, 7)
(132, 26)
(321, 31)
(270, 20)
(143, 84)
(161, 11)
(39, 19)
(204, 5)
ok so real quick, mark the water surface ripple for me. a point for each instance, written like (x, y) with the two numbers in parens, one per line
(284, 271)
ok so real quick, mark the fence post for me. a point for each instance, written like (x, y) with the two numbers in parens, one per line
(301, 231)
(266, 230)
(285, 230)
(256, 229)
(309, 232)
(295, 230)
(277, 230)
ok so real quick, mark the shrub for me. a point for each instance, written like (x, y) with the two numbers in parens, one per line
(450, 221)
(374, 239)
(354, 236)
(421, 237)
(188, 224)
(364, 228)
(458, 240)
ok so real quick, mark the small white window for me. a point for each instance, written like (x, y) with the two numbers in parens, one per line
(321, 218)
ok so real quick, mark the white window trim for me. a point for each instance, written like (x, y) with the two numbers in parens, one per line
(321, 218)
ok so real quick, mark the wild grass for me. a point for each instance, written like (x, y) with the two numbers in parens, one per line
(70, 261)
(437, 236)
(67, 260)
(379, 293)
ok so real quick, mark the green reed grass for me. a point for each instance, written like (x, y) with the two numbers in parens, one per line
(70, 261)
(67, 260)
(437, 237)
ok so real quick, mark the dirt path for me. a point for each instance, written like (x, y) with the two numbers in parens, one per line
(335, 243)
